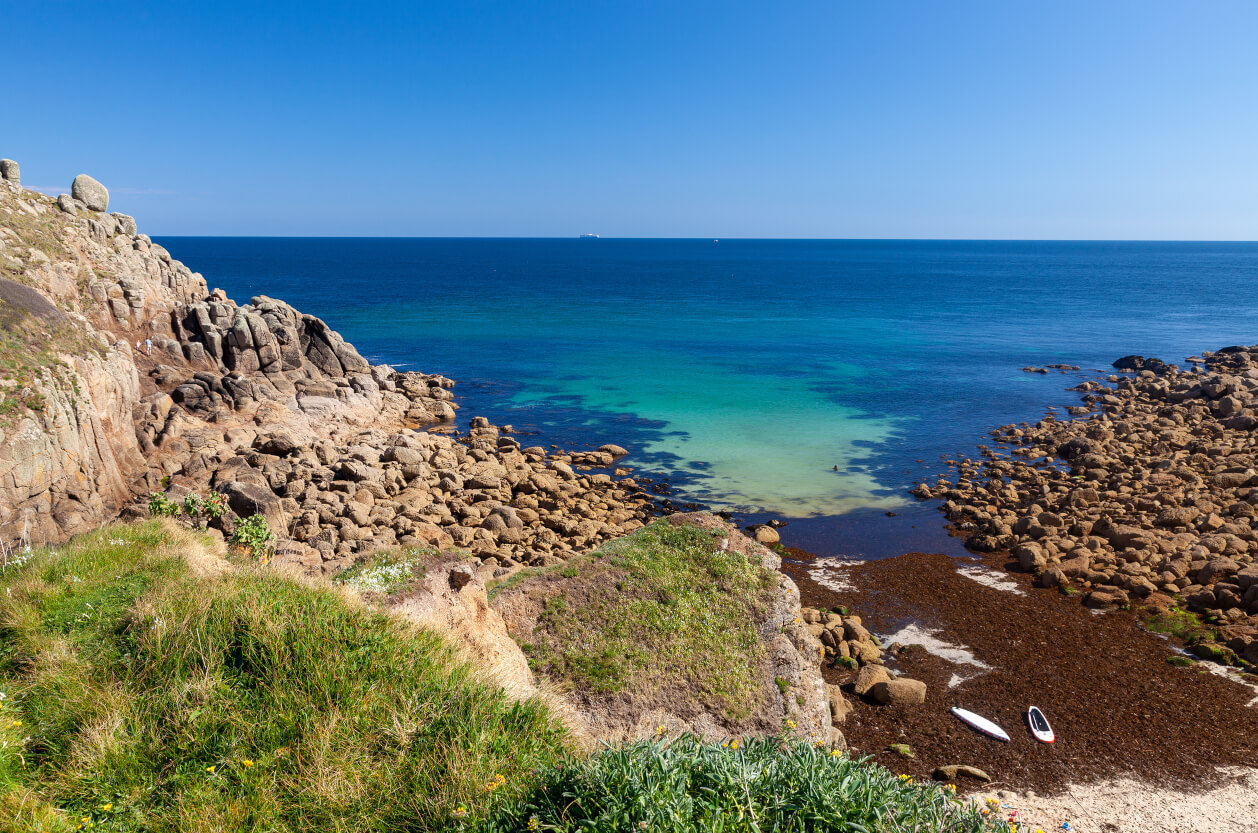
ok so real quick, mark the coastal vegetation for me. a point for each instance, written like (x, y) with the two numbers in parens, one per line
(664, 603)
(151, 684)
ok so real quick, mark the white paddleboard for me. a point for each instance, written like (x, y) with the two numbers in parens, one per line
(1039, 725)
(981, 723)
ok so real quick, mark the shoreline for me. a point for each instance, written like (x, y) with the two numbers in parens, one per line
(1140, 738)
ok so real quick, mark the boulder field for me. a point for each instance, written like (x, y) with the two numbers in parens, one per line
(1149, 495)
(126, 374)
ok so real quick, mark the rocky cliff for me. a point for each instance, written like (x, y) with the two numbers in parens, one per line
(124, 373)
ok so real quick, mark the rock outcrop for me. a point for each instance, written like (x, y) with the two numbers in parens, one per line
(133, 377)
(90, 192)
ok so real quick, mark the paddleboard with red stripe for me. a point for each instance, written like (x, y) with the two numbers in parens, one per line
(1039, 725)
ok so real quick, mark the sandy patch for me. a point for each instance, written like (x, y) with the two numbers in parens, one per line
(833, 575)
(1129, 805)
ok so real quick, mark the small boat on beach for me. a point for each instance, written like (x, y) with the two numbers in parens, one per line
(980, 723)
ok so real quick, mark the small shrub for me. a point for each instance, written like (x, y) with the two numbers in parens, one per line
(201, 510)
(386, 572)
(195, 512)
(161, 506)
(253, 536)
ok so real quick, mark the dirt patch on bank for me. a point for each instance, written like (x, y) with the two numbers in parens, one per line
(1117, 706)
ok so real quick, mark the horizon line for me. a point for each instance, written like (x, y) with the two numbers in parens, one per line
(715, 238)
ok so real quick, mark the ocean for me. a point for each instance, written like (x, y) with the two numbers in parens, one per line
(813, 381)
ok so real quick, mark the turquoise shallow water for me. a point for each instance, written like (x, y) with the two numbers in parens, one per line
(748, 370)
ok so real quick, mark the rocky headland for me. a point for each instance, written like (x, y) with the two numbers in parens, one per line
(125, 375)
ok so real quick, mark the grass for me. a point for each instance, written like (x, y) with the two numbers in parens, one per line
(689, 786)
(147, 685)
(140, 696)
(662, 604)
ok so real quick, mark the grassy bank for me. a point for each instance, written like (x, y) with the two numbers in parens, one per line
(140, 696)
(150, 686)
(663, 604)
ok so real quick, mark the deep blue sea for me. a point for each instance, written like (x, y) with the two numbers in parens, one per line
(808, 380)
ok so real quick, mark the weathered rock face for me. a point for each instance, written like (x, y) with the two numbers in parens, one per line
(66, 468)
(9, 170)
(90, 192)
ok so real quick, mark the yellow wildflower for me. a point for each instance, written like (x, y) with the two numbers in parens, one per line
(834, 753)
(533, 824)
(790, 724)
(210, 769)
(107, 808)
(460, 812)
(13, 724)
(247, 762)
(733, 744)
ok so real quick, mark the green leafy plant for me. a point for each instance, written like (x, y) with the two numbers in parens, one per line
(686, 785)
(161, 506)
(201, 510)
(253, 536)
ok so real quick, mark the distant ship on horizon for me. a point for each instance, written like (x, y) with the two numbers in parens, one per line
(589, 237)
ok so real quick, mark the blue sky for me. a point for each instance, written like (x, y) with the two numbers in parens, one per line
(1116, 120)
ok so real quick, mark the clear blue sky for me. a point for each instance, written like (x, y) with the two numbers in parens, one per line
(801, 119)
